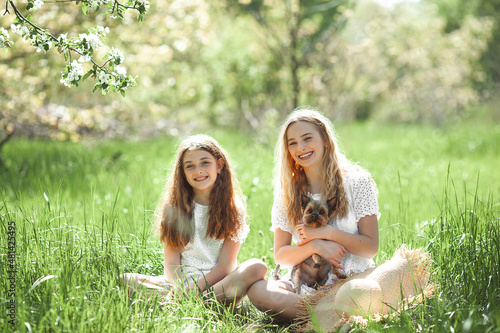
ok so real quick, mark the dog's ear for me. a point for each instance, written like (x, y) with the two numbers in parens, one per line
(332, 203)
(304, 199)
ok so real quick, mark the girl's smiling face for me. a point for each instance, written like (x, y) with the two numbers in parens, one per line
(201, 170)
(305, 143)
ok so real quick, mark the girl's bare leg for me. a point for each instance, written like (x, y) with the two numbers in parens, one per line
(275, 298)
(235, 285)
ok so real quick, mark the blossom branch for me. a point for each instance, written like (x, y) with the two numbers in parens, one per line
(110, 75)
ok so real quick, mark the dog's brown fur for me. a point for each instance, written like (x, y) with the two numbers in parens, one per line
(313, 271)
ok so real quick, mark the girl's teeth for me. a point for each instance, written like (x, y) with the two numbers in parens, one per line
(305, 155)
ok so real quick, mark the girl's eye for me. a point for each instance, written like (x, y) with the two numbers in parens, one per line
(308, 138)
(190, 166)
(292, 143)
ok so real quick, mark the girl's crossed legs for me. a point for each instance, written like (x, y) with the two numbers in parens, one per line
(232, 288)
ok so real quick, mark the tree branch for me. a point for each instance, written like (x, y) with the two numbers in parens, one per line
(6, 8)
(21, 17)
(115, 3)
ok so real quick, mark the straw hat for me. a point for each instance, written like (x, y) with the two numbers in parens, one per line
(377, 291)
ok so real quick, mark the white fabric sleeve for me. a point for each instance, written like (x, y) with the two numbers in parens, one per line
(278, 217)
(365, 196)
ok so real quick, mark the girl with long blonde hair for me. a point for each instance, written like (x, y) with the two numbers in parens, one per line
(309, 161)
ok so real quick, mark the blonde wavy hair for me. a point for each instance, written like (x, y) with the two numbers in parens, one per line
(174, 212)
(290, 178)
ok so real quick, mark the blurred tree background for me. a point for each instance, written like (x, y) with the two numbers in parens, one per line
(246, 63)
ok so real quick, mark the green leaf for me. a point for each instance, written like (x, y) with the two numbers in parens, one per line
(86, 75)
(97, 86)
(85, 8)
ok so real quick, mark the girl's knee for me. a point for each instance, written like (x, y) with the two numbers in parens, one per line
(254, 269)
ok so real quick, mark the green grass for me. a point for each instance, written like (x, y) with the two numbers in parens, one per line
(83, 216)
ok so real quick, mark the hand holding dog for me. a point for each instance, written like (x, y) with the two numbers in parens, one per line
(330, 251)
(307, 234)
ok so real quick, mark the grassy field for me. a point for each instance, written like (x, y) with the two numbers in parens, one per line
(82, 215)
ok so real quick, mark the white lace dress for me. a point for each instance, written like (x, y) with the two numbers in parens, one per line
(201, 255)
(362, 197)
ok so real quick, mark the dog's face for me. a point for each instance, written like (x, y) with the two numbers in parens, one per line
(316, 213)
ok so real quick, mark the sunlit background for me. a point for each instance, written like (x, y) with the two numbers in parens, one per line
(245, 65)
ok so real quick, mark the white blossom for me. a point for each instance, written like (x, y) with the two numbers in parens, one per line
(37, 4)
(144, 3)
(4, 37)
(42, 43)
(115, 55)
(121, 70)
(103, 77)
(102, 30)
(85, 58)
(4, 34)
(63, 38)
(92, 39)
(75, 72)
(19, 29)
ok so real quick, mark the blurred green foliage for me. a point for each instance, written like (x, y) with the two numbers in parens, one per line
(202, 63)
(456, 12)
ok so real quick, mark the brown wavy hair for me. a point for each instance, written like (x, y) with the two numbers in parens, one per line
(290, 178)
(174, 213)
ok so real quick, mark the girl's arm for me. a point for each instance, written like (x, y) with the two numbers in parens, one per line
(225, 265)
(290, 255)
(172, 265)
(365, 244)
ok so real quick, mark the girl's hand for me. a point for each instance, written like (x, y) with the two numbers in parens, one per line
(307, 234)
(330, 251)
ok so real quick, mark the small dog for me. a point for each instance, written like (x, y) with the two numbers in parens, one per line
(313, 272)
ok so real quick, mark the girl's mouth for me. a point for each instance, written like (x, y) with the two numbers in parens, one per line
(305, 156)
(200, 179)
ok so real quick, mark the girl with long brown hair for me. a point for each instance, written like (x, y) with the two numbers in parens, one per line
(201, 223)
